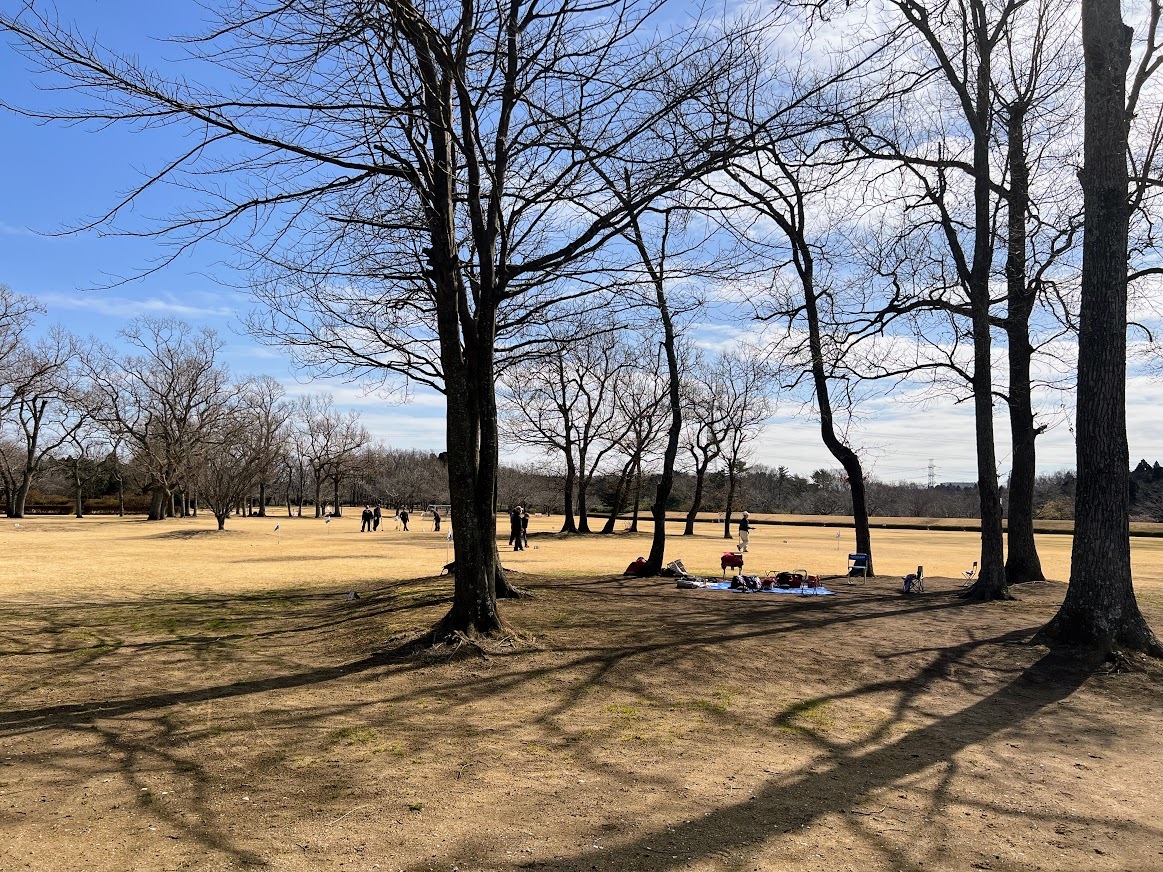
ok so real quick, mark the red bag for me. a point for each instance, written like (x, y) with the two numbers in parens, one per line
(637, 569)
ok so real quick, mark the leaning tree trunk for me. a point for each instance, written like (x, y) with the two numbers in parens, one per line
(1100, 608)
(847, 458)
(697, 499)
(619, 496)
(1022, 563)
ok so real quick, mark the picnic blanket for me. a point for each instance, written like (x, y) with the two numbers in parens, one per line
(806, 591)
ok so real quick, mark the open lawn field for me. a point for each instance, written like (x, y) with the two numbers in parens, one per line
(176, 698)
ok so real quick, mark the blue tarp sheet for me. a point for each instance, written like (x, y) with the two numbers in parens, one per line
(806, 591)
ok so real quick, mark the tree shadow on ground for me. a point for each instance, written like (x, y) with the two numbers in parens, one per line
(595, 637)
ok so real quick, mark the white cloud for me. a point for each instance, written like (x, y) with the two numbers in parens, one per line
(192, 306)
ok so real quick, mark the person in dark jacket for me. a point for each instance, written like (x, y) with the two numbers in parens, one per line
(436, 520)
(366, 517)
(525, 526)
(404, 519)
(377, 516)
(516, 537)
(744, 532)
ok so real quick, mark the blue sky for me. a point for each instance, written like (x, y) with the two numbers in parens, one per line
(58, 176)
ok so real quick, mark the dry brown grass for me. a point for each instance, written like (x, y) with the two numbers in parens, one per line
(53, 556)
(172, 698)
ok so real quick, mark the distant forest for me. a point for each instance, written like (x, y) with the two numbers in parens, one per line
(417, 479)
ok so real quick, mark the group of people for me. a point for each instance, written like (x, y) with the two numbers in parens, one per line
(372, 515)
(519, 529)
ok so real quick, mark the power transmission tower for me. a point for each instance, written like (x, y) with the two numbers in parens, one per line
(932, 473)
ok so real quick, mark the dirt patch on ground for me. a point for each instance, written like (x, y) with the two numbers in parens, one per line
(649, 728)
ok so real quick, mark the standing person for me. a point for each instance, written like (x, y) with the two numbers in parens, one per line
(436, 520)
(744, 532)
(525, 526)
(366, 517)
(397, 519)
(404, 519)
(377, 516)
(515, 535)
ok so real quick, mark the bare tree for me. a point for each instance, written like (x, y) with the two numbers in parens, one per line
(565, 404)
(41, 415)
(706, 423)
(643, 405)
(270, 413)
(441, 162)
(162, 398)
(747, 386)
(231, 456)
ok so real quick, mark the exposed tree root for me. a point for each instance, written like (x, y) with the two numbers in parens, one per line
(985, 590)
(1123, 650)
(442, 643)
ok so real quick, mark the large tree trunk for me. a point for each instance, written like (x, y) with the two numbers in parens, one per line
(262, 499)
(569, 525)
(583, 482)
(318, 497)
(20, 497)
(1022, 563)
(1100, 609)
(697, 500)
(121, 497)
(157, 503)
(221, 517)
(336, 509)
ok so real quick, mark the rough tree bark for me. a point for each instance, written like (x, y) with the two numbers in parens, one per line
(1022, 562)
(1100, 609)
(569, 525)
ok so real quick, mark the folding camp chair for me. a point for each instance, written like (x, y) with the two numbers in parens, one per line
(857, 567)
(915, 583)
(806, 585)
(970, 574)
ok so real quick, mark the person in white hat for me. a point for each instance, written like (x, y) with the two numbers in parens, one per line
(744, 532)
